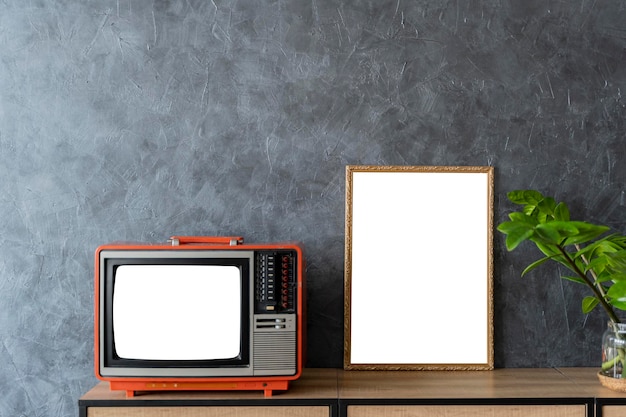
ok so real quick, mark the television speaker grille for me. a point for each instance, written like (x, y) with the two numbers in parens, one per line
(274, 352)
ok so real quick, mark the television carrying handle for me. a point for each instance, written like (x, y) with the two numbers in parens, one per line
(221, 240)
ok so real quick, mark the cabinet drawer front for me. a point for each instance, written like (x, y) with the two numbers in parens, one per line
(270, 411)
(468, 411)
(614, 411)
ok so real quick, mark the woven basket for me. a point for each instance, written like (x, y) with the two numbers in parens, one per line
(615, 384)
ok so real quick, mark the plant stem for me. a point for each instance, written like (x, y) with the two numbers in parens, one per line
(590, 284)
(610, 363)
(592, 272)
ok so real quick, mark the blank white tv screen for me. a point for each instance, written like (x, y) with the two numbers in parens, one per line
(177, 312)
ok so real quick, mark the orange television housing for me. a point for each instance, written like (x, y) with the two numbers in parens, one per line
(199, 313)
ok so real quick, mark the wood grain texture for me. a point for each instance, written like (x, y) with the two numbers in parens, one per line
(499, 383)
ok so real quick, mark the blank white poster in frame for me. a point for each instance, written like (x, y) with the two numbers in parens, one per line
(418, 268)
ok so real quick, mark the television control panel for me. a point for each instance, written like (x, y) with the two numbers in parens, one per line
(275, 281)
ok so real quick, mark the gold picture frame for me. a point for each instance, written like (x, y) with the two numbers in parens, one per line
(418, 268)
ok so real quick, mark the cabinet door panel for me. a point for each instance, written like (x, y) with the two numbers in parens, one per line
(614, 411)
(318, 411)
(468, 411)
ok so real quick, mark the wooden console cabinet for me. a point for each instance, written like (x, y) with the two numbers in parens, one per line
(550, 392)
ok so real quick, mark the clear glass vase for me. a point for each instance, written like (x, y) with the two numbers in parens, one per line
(614, 350)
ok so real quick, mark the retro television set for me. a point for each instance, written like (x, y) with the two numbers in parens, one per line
(199, 313)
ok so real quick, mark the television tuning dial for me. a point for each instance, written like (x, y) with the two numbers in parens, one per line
(274, 281)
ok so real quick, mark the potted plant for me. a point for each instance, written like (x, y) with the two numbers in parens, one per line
(593, 257)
